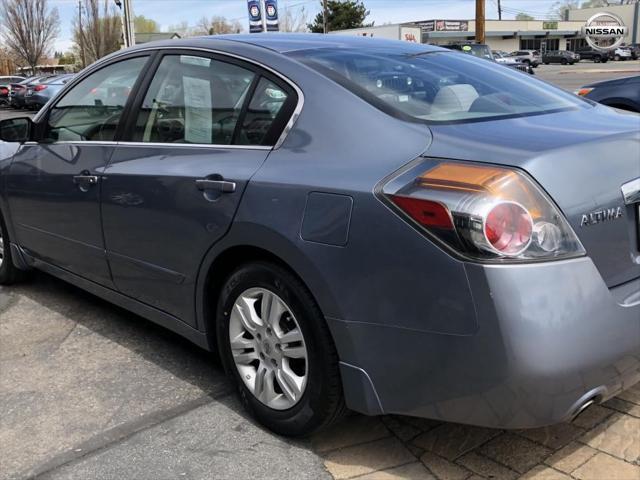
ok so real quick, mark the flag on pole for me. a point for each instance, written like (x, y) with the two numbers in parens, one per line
(271, 13)
(255, 16)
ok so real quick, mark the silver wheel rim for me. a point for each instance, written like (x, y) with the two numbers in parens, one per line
(1, 247)
(268, 348)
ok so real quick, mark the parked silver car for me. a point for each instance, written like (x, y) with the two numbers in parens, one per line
(349, 222)
(530, 57)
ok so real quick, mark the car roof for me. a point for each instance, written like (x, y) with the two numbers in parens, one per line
(291, 42)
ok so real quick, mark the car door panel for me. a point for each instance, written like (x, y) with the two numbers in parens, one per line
(158, 223)
(57, 218)
(54, 183)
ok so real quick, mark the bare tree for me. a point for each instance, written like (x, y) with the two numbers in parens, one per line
(97, 30)
(294, 22)
(28, 28)
(216, 25)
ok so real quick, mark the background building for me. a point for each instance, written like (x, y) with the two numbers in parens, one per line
(507, 35)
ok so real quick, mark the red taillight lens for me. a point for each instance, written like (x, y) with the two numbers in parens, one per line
(39, 88)
(508, 228)
(426, 212)
(483, 212)
(4, 90)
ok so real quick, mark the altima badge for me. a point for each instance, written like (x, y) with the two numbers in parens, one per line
(600, 216)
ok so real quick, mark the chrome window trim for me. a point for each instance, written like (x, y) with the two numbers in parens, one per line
(154, 144)
(283, 136)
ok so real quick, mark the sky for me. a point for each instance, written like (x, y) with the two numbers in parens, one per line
(172, 12)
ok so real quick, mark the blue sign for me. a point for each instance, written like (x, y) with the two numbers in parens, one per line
(255, 16)
(271, 14)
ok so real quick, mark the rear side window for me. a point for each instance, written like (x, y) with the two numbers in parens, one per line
(201, 100)
(266, 104)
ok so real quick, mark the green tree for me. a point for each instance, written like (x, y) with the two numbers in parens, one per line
(143, 24)
(341, 15)
(67, 59)
(524, 16)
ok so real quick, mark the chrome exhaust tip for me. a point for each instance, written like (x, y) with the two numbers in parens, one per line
(583, 407)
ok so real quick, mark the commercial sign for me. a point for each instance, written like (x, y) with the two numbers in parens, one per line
(604, 31)
(271, 14)
(549, 25)
(255, 16)
(445, 26)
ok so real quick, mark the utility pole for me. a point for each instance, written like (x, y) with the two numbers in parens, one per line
(499, 10)
(480, 21)
(325, 14)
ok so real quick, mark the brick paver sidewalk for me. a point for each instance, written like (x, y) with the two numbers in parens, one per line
(601, 444)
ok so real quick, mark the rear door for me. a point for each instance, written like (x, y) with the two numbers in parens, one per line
(203, 126)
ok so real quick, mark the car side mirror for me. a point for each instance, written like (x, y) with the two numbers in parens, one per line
(16, 129)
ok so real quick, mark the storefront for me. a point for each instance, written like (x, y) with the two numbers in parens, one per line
(505, 35)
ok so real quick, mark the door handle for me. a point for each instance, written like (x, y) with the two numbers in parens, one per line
(85, 179)
(217, 185)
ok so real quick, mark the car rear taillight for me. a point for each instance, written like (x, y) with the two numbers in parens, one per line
(583, 91)
(39, 88)
(4, 90)
(482, 212)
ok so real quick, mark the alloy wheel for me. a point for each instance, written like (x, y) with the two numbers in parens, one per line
(268, 348)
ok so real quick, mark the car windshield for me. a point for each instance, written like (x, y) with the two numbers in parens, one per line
(437, 86)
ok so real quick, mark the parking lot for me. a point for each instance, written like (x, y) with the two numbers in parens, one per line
(88, 390)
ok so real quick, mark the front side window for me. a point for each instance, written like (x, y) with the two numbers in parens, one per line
(91, 110)
(437, 86)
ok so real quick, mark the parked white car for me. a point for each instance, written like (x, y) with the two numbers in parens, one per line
(622, 54)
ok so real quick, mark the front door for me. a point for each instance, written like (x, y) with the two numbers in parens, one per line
(54, 184)
(203, 128)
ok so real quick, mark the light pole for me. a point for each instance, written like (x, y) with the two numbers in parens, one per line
(126, 18)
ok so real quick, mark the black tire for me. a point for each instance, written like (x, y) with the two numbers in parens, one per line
(564, 61)
(616, 58)
(322, 402)
(546, 63)
(597, 59)
(9, 274)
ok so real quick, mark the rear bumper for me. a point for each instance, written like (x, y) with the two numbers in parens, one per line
(551, 337)
(35, 100)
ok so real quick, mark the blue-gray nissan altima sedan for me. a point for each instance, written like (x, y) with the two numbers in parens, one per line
(350, 223)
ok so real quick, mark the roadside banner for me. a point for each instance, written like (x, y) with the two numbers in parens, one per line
(255, 16)
(271, 13)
